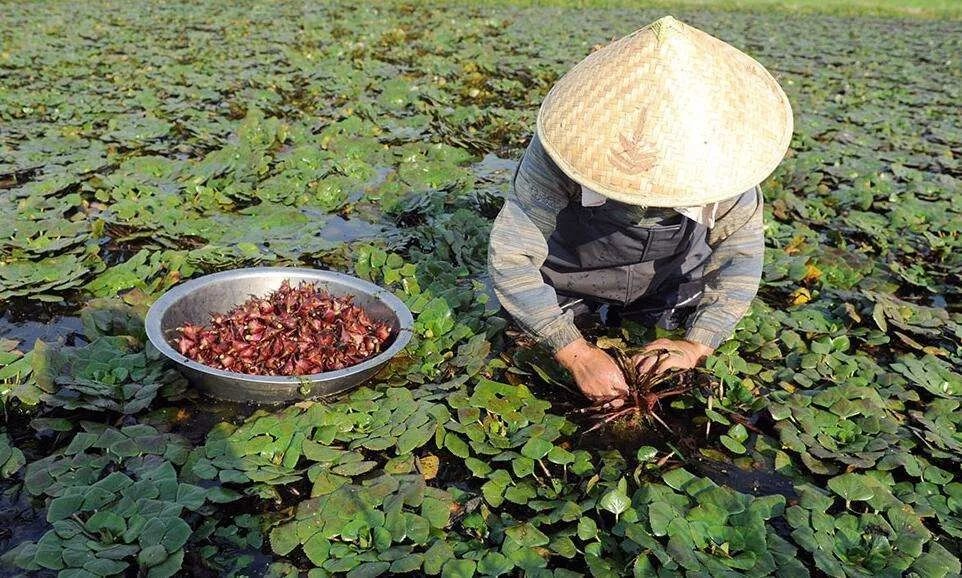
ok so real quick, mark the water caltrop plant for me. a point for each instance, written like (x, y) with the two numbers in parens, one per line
(111, 373)
(114, 501)
(380, 140)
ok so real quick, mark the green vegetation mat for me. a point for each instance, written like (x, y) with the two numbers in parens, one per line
(142, 143)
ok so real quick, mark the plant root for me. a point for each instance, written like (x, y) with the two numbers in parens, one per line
(643, 394)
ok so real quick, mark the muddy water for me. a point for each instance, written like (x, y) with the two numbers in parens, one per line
(193, 418)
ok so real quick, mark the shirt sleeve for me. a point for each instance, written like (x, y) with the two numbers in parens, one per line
(518, 248)
(732, 272)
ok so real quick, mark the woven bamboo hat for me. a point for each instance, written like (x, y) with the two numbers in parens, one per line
(667, 116)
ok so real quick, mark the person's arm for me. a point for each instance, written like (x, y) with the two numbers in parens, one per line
(732, 273)
(516, 252)
(519, 247)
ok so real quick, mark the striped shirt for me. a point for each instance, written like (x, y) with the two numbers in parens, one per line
(518, 248)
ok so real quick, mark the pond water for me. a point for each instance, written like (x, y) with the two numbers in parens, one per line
(19, 522)
(56, 329)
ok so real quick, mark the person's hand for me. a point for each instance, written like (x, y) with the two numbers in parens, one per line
(665, 354)
(595, 372)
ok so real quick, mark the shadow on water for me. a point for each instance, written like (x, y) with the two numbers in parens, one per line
(26, 321)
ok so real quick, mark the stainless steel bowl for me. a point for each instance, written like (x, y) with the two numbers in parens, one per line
(194, 301)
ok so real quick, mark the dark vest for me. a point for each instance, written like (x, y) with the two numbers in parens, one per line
(604, 254)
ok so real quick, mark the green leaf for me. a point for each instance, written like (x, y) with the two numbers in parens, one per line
(168, 567)
(284, 538)
(190, 496)
(408, 563)
(382, 538)
(220, 495)
(646, 454)
(522, 466)
(563, 546)
(536, 448)
(75, 573)
(600, 567)
(560, 456)
(49, 552)
(369, 570)
(587, 528)
(175, 534)
(415, 438)
(615, 501)
(106, 521)
(354, 468)
(520, 493)
(436, 512)
(851, 487)
(456, 445)
(660, 514)
(62, 507)
(738, 433)
(479, 468)
(493, 492)
(494, 564)
(937, 562)
(458, 569)
(733, 445)
(526, 535)
(102, 567)
(678, 478)
(435, 557)
(317, 549)
(417, 528)
(152, 555)
(379, 444)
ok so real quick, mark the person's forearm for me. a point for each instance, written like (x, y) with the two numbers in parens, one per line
(734, 271)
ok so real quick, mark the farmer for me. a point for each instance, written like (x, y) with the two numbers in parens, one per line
(640, 191)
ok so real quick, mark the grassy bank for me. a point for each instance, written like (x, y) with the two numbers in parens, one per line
(933, 9)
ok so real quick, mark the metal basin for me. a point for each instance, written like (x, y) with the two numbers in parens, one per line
(195, 300)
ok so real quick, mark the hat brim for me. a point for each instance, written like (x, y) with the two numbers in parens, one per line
(625, 124)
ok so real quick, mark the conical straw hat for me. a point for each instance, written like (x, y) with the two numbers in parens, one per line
(667, 116)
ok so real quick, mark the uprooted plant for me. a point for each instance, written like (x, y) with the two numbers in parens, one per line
(644, 389)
